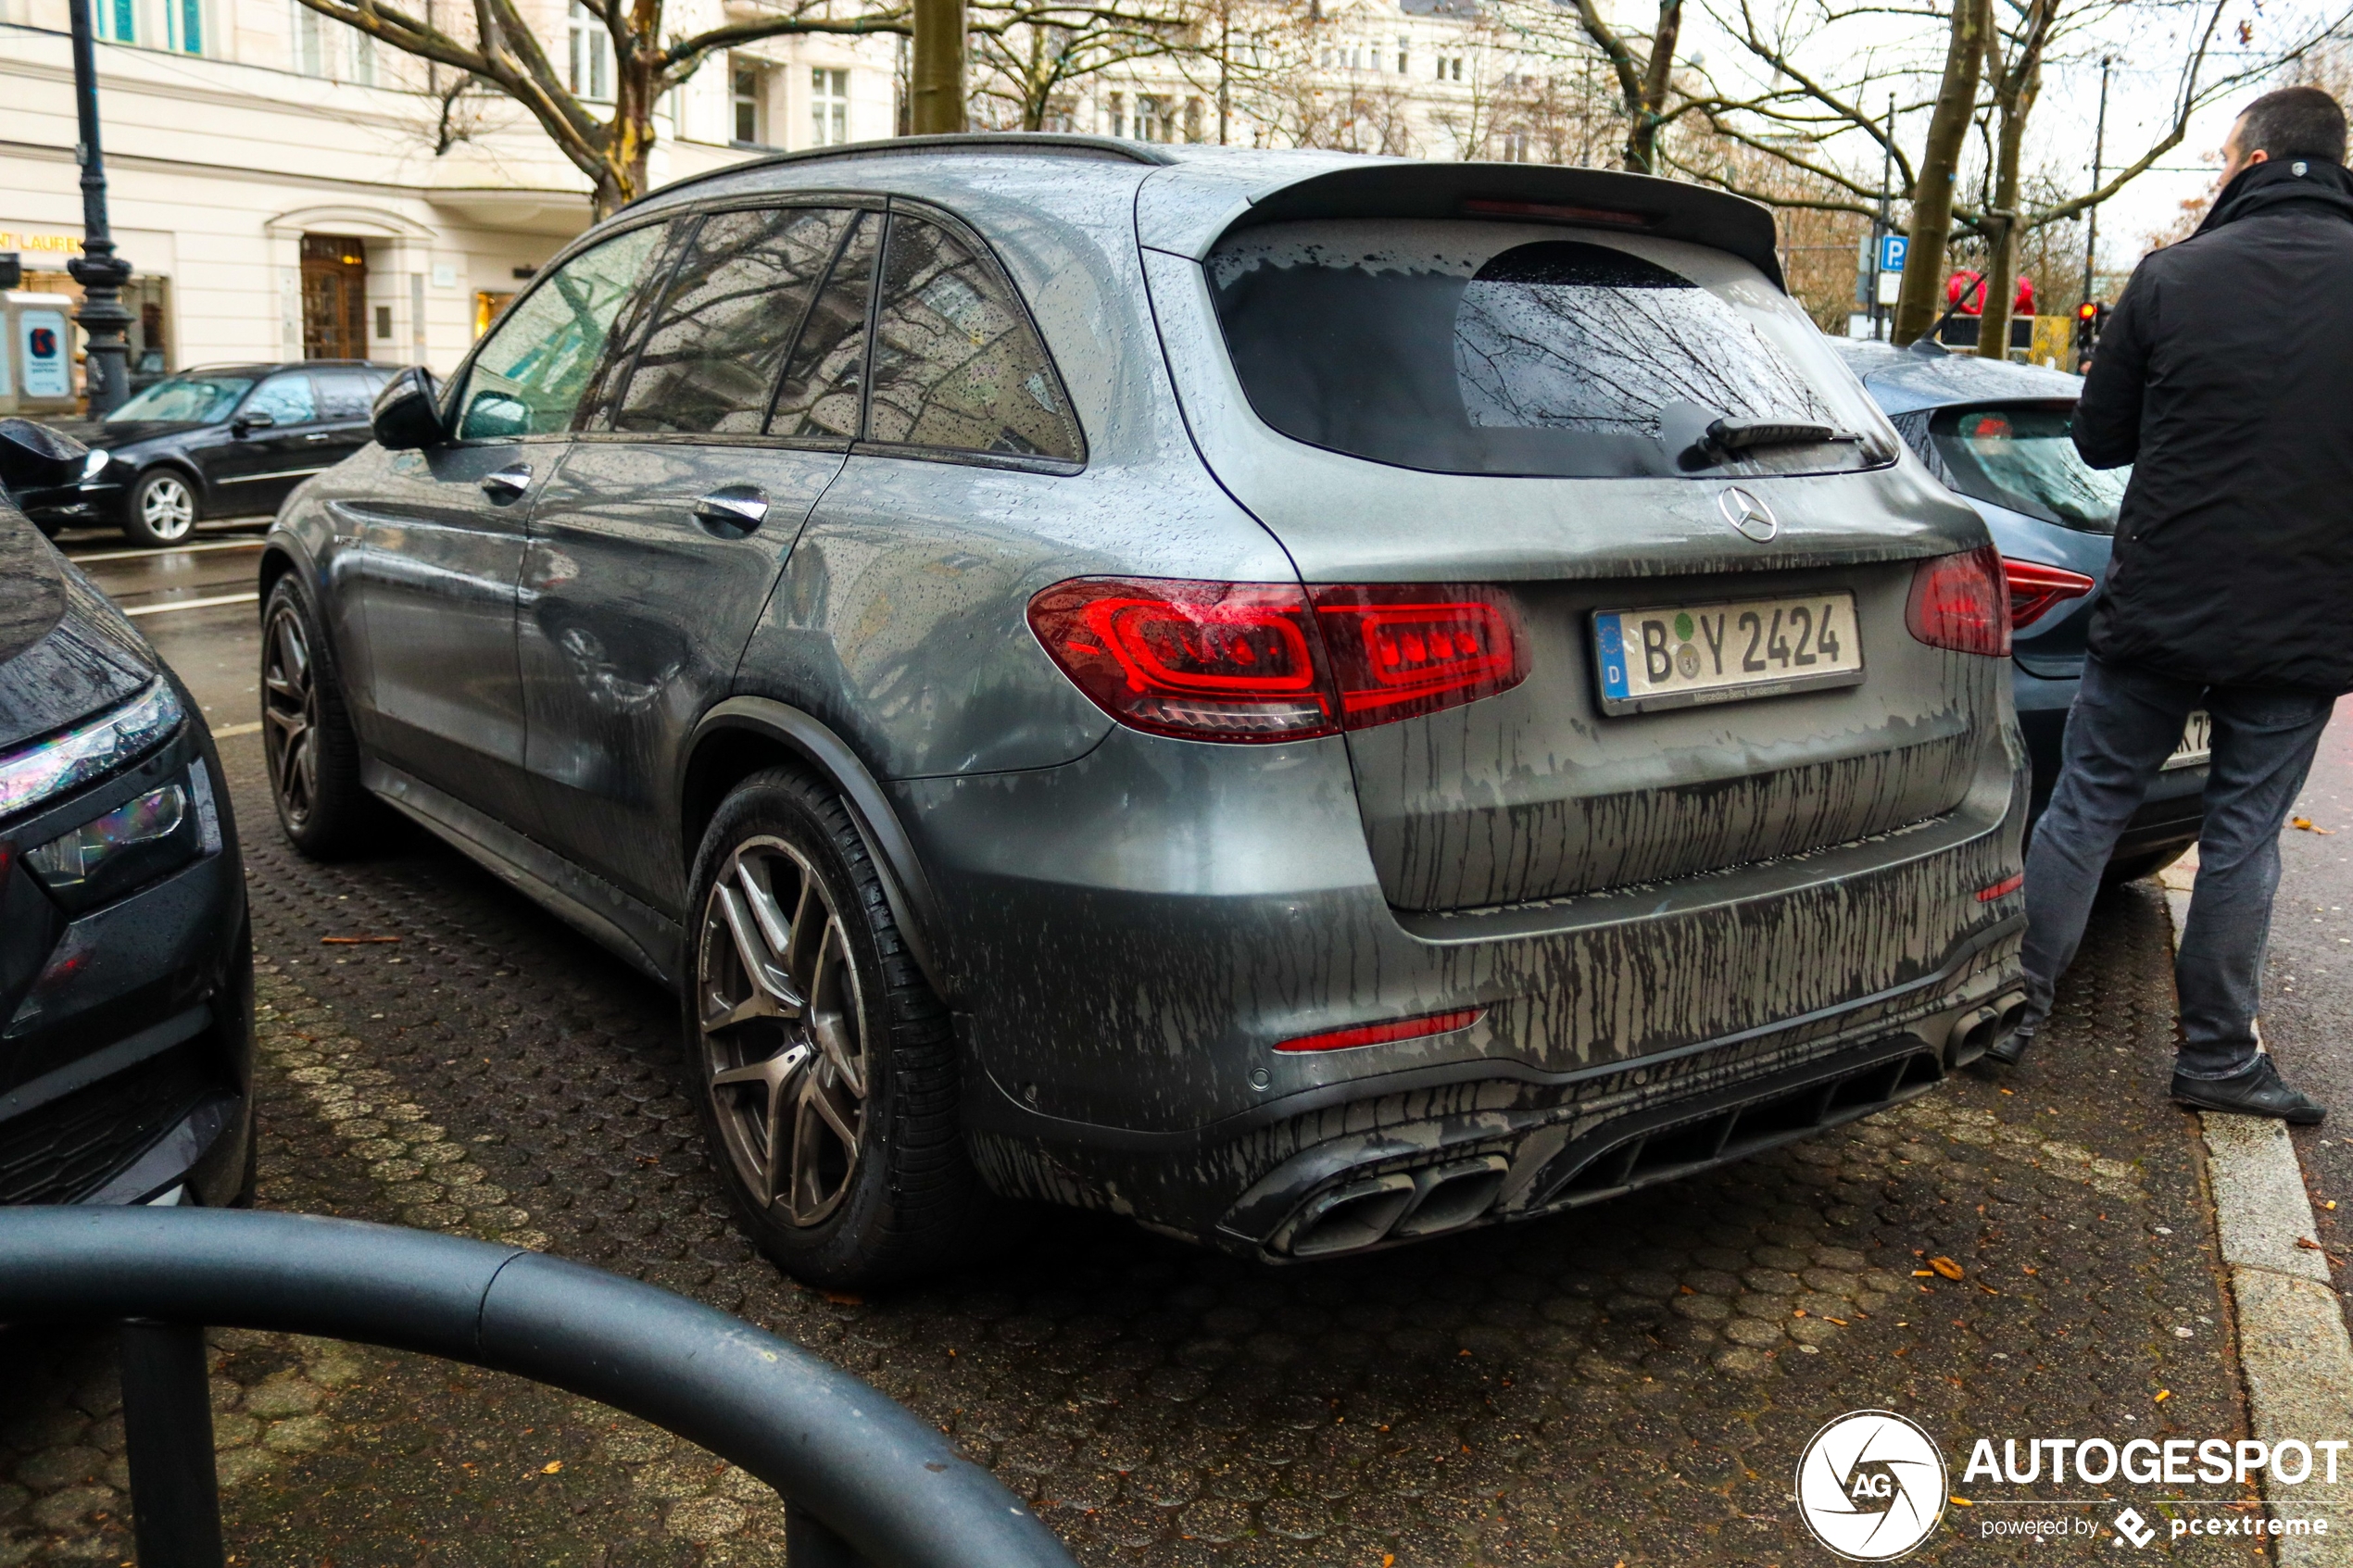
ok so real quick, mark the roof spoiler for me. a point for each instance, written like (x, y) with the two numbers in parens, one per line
(1520, 193)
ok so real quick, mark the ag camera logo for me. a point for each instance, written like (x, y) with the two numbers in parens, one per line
(1871, 1486)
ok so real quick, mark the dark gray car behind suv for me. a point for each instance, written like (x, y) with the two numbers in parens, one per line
(1312, 701)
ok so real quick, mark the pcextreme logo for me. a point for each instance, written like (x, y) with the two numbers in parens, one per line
(1871, 1486)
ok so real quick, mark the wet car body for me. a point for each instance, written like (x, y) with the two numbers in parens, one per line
(1927, 396)
(1657, 940)
(126, 980)
(230, 465)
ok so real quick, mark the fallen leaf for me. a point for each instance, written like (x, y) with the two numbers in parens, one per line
(354, 941)
(1800, 1312)
(845, 1299)
(1961, 1502)
(1946, 1267)
(1922, 1274)
(2330, 1204)
(2162, 1395)
(551, 1467)
(1841, 1321)
(2306, 823)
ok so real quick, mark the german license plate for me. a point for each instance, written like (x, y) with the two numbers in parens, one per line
(2197, 742)
(1682, 656)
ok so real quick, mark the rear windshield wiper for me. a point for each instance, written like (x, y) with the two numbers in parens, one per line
(1730, 434)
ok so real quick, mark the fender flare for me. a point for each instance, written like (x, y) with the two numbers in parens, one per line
(906, 887)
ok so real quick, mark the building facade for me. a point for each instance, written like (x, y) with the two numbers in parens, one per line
(284, 189)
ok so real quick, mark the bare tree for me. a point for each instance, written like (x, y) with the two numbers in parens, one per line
(1949, 127)
(1644, 69)
(608, 144)
(1028, 54)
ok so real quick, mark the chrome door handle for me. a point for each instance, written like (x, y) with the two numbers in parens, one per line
(508, 482)
(734, 509)
(319, 435)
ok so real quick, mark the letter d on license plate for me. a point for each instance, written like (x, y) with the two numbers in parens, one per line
(1682, 656)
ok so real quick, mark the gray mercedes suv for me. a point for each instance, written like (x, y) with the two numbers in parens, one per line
(1311, 701)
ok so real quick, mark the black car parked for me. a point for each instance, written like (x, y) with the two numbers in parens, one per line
(126, 963)
(221, 440)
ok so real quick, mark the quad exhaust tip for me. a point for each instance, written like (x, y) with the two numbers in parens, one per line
(1401, 1206)
(1974, 1031)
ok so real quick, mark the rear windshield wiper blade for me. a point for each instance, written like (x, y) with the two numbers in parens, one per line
(1743, 435)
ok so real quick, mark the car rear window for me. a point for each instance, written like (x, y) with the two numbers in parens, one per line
(2021, 457)
(1472, 348)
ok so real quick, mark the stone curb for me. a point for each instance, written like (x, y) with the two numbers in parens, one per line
(2293, 1346)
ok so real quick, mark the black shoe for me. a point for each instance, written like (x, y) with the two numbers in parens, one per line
(2258, 1091)
(2009, 1048)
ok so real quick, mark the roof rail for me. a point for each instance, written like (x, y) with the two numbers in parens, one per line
(865, 1484)
(1048, 143)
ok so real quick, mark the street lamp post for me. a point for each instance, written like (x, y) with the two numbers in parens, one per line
(2099, 151)
(101, 273)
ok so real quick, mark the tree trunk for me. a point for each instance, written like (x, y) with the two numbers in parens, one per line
(2013, 101)
(935, 74)
(1641, 137)
(1916, 307)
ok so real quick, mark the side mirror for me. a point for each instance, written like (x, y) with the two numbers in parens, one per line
(257, 418)
(33, 457)
(407, 415)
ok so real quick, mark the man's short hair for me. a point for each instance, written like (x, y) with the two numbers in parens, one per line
(2294, 122)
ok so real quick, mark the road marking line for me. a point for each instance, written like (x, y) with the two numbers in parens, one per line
(168, 551)
(194, 604)
(229, 732)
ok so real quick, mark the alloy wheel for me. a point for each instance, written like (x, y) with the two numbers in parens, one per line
(167, 508)
(783, 1031)
(290, 714)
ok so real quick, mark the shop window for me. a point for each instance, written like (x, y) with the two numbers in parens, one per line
(335, 298)
(828, 106)
(489, 305)
(591, 57)
(745, 91)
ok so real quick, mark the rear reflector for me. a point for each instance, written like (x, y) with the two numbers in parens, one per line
(1382, 1033)
(2001, 889)
(2034, 588)
(1481, 207)
(1960, 602)
(1264, 661)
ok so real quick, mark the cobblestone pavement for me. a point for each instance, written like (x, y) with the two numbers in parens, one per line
(1630, 1383)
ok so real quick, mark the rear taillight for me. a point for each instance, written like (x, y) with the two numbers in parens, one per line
(1255, 662)
(1385, 1033)
(1959, 602)
(2034, 588)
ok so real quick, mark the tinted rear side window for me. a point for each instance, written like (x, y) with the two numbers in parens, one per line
(956, 361)
(710, 361)
(1477, 349)
(346, 394)
(824, 379)
(2022, 455)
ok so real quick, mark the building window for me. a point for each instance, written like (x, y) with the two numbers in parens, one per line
(327, 48)
(1192, 120)
(1458, 68)
(745, 89)
(828, 106)
(116, 20)
(183, 22)
(1404, 49)
(1119, 114)
(591, 55)
(1155, 118)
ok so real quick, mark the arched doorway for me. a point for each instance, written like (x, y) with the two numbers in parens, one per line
(335, 298)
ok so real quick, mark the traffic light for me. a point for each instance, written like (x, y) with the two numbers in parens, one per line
(2090, 318)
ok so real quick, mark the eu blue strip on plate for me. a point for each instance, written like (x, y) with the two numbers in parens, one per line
(1612, 640)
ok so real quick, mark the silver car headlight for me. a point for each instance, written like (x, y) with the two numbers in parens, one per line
(140, 840)
(92, 466)
(63, 762)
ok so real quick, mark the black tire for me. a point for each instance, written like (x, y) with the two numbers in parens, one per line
(307, 735)
(162, 508)
(868, 1046)
(2133, 868)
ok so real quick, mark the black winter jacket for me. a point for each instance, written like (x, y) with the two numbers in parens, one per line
(2225, 378)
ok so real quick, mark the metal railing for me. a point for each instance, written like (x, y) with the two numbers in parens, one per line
(866, 1483)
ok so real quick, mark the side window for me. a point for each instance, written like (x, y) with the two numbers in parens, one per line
(345, 394)
(956, 361)
(710, 363)
(825, 376)
(529, 376)
(285, 398)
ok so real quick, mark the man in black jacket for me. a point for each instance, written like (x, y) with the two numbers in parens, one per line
(2225, 378)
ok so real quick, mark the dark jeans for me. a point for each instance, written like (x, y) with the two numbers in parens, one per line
(2125, 722)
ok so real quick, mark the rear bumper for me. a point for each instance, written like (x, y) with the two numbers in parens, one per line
(2170, 816)
(1136, 933)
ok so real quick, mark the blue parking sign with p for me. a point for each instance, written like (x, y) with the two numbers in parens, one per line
(1891, 252)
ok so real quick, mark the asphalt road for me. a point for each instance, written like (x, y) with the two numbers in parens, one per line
(1629, 1384)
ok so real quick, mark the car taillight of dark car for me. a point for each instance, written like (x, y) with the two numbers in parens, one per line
(1256, 663)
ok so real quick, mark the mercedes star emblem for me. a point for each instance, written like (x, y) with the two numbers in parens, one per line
(1752, 516)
